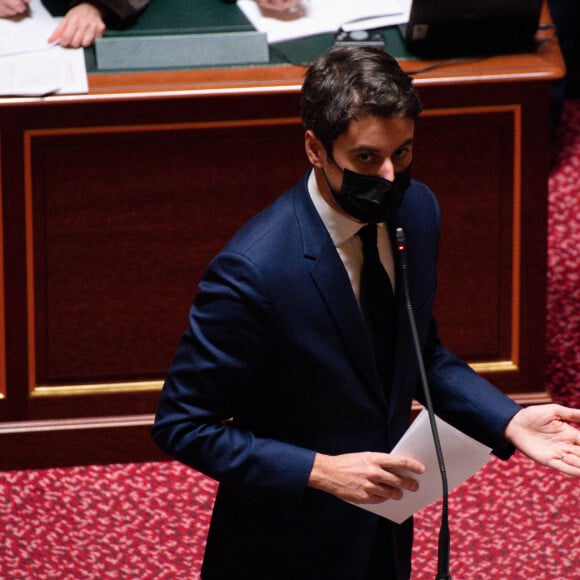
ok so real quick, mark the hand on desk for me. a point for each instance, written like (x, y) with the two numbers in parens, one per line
(279, 5)
(282, 9)
(13, 8)
(81, 25)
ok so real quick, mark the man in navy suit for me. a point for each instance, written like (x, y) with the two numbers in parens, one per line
(277, 390)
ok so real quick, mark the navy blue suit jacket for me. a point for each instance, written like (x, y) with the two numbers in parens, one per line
(276, 365)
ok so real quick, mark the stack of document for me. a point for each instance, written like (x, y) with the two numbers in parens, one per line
(324, 16)
(31, 67)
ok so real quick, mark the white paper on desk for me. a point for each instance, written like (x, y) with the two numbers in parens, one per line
(28, 34)
(31, 67)
(323, 16)
(36, 74)
(463, 457)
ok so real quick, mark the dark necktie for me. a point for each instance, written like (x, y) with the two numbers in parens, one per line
(377, 303)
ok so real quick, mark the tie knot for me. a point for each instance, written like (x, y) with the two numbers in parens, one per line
(368, 235)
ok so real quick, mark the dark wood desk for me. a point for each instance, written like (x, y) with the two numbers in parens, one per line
(114, 201)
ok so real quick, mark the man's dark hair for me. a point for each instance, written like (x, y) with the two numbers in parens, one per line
(347, 83)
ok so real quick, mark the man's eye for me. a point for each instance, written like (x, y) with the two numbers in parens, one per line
(399, 153)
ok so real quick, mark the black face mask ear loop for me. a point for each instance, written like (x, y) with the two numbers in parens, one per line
(332, 160)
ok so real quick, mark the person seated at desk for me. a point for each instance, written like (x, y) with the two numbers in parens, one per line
(84, 21)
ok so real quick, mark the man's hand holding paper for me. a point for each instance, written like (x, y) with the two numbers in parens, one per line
(463, 457)
(366, 477)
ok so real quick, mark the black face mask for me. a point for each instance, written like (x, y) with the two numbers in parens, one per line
(370, 198)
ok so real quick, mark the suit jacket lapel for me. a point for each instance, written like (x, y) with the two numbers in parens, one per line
(331, 280)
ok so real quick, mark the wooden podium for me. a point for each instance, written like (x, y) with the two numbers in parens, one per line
(114, 201)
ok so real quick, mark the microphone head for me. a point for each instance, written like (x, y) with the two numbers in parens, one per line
(400, 238)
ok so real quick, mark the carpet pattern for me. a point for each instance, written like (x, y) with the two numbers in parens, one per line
(512, 521)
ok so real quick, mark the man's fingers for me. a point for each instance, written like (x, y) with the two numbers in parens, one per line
(13, 8)
(381, 495)
(393, 476)
(55, 36)
(400, 462)
(81, 26)
(280, 5)
(568, 463)
(397, 480)
(569, 414)
(388, 486)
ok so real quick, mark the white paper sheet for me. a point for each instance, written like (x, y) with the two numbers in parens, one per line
(28, 34)
(37, 74)
(29, 66)
(463, 457)
(322, 16)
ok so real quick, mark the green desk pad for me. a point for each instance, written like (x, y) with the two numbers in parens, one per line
(214, 16)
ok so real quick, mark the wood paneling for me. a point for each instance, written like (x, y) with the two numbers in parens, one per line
(475, 183)
(113, 203)
(121, 237)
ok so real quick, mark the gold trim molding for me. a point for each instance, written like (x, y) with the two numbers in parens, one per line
(500, 366)
(153, 386)
(96, 389)
(38, 426)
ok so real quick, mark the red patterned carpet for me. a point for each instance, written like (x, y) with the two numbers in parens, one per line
(148, 521)
(511, 521)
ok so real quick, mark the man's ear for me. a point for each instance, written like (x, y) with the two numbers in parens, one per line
(314, 149)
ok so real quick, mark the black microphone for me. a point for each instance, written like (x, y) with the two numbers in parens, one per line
(444, 539)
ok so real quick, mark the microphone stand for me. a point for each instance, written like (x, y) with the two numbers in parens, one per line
(444, 536)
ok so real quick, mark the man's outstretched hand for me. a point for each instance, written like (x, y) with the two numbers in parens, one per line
(544, 433)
